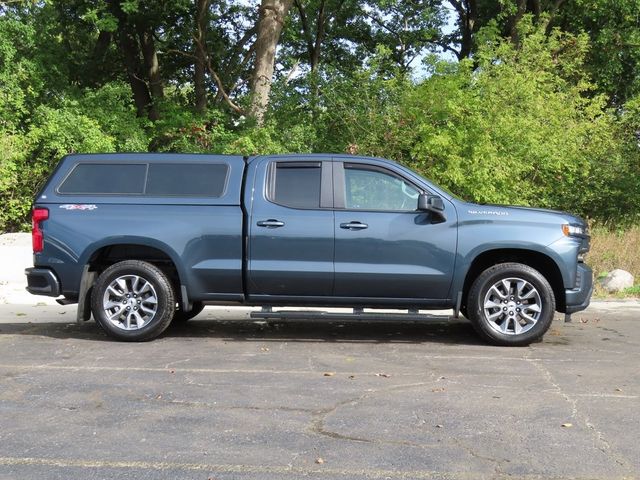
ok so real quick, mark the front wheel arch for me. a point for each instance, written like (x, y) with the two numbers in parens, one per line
(536, 260)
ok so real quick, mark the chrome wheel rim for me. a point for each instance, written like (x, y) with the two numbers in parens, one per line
(130, 302)
(512, 306)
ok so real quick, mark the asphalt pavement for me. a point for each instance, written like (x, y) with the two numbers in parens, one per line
(224, 397)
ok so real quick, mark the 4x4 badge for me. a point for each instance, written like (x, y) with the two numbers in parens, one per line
(70, 206)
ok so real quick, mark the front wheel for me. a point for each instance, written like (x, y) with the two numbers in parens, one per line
(511, 304)
(133, 301)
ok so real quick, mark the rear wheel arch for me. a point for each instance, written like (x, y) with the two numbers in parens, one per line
(536, 260)
(107, 253)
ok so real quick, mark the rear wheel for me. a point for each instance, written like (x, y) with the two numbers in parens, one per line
(511, 304)
(133, 301)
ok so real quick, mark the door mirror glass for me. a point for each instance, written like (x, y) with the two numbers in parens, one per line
(430, 203)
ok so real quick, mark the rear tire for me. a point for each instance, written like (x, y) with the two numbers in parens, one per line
(133, 301)
(511, 304)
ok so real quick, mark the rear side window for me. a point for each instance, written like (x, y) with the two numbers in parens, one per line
(191, 179)
(297, 184)
(97, 178)
(160, 179)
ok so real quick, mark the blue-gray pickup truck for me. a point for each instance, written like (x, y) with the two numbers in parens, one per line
(139, 240)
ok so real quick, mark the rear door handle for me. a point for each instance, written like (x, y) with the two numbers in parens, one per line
(354, 226)
(271, 223)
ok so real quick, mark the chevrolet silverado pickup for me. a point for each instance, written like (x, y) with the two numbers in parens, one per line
(140, 239)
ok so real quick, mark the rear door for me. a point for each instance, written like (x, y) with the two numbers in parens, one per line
(384, 246)
(291, 244)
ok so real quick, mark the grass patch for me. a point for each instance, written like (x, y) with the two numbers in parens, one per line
(611, 249)
(633, 291)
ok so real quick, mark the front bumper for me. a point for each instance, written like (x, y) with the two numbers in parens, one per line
(578, 298)
(41, 281)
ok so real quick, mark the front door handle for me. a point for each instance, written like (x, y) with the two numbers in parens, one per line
(354, 226)
(271, 223)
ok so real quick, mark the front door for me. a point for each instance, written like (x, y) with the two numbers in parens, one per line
(384, 246)
(291, 229)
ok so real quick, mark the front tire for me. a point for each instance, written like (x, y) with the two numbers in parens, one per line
(511, 304)
(133, 301)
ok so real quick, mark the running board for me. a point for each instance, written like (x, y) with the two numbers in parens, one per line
(268, 314)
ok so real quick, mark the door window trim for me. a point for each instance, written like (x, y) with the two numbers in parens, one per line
(326, 182)
(339, 181)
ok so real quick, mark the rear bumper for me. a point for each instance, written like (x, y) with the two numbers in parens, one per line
(41, 281)
(578, 298)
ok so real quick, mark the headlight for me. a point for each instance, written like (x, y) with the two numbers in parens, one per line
(572, 230)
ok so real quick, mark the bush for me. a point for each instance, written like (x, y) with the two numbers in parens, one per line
(28, 160)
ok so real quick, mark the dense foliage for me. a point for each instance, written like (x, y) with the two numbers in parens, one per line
(535, 103)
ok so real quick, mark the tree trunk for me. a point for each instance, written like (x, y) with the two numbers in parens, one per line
(512, 23)
(315, 55)
(130, 49)
(469, 18)
(151, 64)
(200, 66)
(139, 88)
(270, 22)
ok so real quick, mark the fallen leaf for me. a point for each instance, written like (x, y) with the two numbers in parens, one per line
(567, 425)
(319, 460)
(329, 374)
(20, 314)
(618, 389)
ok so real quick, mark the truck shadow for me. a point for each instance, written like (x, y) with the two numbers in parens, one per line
(358, 331)
(454, 332)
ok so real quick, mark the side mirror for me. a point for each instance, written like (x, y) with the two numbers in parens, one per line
(433, 204)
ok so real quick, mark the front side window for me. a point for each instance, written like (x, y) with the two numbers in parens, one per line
(297, 184)
(372, 189)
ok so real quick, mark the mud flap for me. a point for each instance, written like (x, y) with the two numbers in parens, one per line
(84, 296)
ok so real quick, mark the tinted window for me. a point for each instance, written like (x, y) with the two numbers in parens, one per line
(367, 189)
(187, 179)
(95, 178)
(297, 185)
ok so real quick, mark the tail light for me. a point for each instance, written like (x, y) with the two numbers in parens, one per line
(37, 238)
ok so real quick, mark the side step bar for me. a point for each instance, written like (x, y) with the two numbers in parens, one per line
(268, 314)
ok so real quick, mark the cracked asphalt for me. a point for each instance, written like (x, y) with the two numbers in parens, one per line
(224, 397)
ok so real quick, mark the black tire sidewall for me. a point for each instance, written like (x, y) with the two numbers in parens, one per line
(164, 293)
(488, 278)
